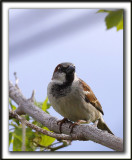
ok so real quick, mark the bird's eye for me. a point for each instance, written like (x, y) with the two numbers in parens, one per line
(59, 68)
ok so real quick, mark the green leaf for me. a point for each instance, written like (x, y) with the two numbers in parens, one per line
(12, 124)
(114, 18)
(44, 106)
(46, 140)
(43, 140)
(17, 144)
(12, 106)
(17, 121)
(103, 10)
(18, 133)
(37, 139)
(30, 135)
(120, 25)
(27, 117)
(37, 123)
(39, 104)
(10, 137)
(48, 105)
(34, 122)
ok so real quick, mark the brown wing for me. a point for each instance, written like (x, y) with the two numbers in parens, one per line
(90, 97)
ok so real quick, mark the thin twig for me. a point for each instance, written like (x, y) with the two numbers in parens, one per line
(51, 148)
(32, 99)
(16, 80)
(23, 134)
(64, 144)
(38, 129)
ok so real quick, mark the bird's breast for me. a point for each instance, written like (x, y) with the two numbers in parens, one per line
(71, 105)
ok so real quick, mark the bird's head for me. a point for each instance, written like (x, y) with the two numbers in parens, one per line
(64, 73)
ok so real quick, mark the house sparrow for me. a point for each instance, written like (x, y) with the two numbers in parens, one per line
(73, 98)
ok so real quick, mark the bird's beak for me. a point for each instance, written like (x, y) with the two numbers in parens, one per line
(70, 70)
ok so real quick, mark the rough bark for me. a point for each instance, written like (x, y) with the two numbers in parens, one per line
(80, 132)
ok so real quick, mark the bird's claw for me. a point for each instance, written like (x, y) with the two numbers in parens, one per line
(72, 125)
(61, 122)
(76, 123)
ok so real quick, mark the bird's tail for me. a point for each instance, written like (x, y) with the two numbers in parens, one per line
(102, 125)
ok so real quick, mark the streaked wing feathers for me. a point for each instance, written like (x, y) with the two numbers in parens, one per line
(90, 97)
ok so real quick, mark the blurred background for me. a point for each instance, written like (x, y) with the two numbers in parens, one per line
(40, 39)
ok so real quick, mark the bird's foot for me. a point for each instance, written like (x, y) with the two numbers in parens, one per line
(72, 126)
(76, 123)
(61, 122)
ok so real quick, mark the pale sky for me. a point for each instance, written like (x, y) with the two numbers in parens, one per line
(39, 39)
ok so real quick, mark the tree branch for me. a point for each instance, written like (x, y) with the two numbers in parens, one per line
(80, 132)
(13, 114)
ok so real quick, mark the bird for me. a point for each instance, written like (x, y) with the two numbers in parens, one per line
(73, 99)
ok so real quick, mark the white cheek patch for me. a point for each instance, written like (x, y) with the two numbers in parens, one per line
(56, 81)
(62, 77)
(59, 78)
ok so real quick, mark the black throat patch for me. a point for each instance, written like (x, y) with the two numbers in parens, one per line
(61, 90)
